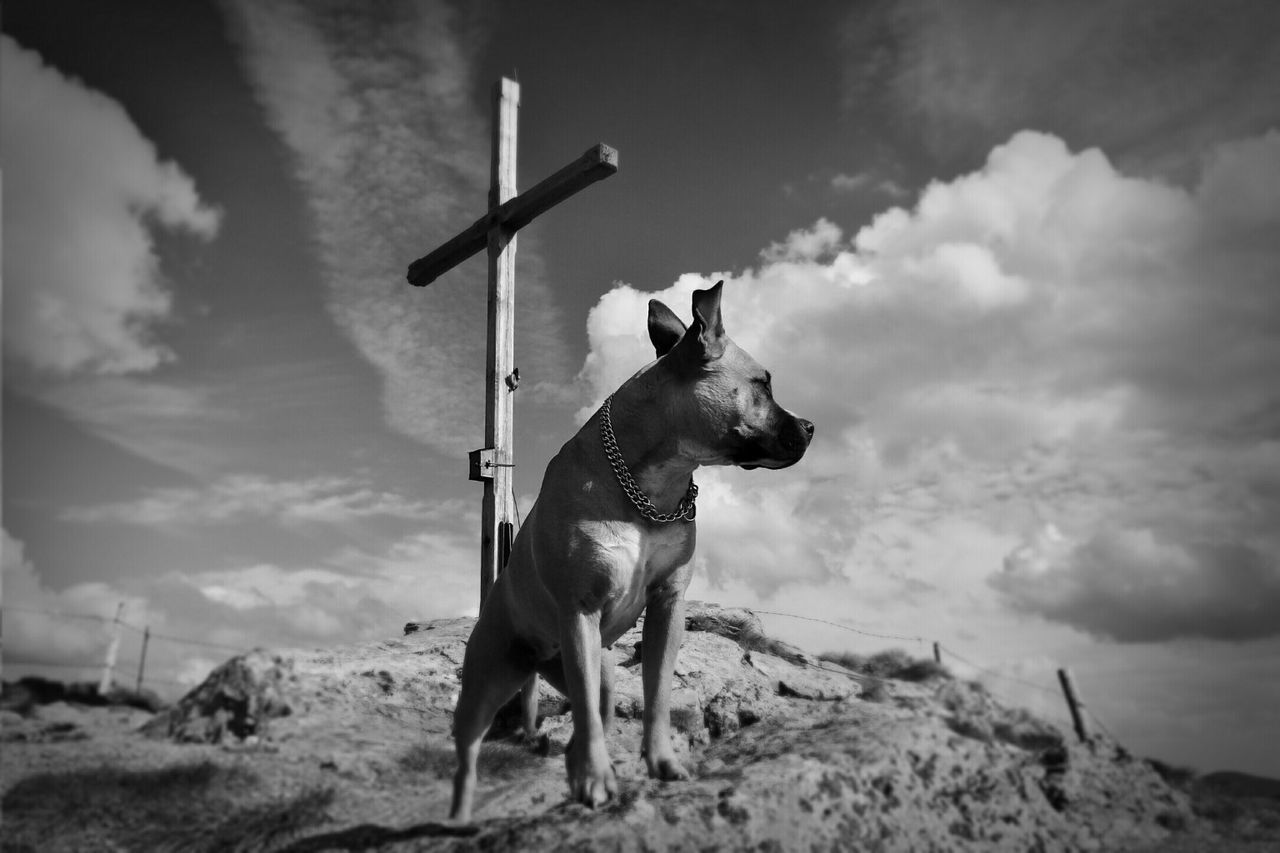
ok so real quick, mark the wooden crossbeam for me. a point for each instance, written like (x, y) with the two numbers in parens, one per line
(597, 163)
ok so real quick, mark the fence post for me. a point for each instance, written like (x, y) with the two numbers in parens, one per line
(1074, 705)
(113, 648)
(142, 660)
(937, 652)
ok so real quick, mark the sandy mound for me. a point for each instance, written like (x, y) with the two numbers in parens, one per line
(785, 752)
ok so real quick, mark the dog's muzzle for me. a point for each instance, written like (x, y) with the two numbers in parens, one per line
(784, 448)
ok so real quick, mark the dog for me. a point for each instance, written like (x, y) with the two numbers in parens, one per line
(611, 535)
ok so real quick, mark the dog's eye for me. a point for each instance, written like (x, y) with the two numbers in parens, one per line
(765, 382)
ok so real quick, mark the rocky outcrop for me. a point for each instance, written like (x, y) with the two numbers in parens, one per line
(785, 752)
(237, 701)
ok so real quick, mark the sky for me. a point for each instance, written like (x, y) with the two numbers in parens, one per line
(1016, 261)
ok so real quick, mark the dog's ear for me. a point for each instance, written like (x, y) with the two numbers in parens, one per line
(707, 321)
(665, 328)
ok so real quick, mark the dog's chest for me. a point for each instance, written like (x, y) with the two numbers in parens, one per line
(637, 560)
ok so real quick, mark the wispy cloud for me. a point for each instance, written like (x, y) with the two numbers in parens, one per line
(84, 190)
(1015, 350)
(376, 105)
(170, 424)
(1152, 80)
(355, 594)
(327, 500)
(866, 182)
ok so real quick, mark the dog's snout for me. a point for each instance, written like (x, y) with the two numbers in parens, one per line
(796, 438)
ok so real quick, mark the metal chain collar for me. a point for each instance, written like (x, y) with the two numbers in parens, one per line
(684, 512)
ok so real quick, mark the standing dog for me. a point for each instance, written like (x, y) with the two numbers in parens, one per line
(612, 535)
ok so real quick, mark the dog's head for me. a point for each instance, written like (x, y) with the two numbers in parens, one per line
(722, 399)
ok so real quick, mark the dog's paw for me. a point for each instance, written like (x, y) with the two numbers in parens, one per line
(595, 792)
(591, 778)
(668, 769)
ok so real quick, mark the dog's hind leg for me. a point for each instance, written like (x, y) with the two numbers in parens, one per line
(606, 689)
(492, 671)
(529, 708)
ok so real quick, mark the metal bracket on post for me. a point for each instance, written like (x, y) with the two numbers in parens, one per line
(506, 537)
(482, 463)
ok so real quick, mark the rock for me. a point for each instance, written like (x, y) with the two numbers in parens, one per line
(801, 681)
(236, 701)
(740, 625)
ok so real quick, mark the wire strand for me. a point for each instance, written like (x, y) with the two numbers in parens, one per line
(996, 674)
(94, 665)
(59, 614)
(202, 643)
(839, 625)
(1101, 724)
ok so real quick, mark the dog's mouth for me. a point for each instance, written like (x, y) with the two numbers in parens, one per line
(771, 464)
(782, 451)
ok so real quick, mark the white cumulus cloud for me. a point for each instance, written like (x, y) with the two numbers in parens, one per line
(1042, 340)
(67, 627)
(84, 190)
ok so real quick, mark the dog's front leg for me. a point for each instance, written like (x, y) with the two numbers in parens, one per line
(663, 631)
(591, 779)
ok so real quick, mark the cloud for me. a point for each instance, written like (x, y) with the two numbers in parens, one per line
(355, 595)
(198, 618)
(84, 191)
(841, 182)
(805, 243)
(1042, 340)
(68, 627)
(1161, 81)
(206, 427)
(393, 157)
(164, 422)
(327, 500)
(851, 183)
(771, 535)
(1132, 585)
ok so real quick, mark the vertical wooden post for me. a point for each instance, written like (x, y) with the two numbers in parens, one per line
(937, 652)
(113, 649)
(496, 508)
(142, 659)
(1074, 705)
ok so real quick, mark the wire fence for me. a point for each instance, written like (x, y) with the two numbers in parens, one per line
(110, 664)
(1077, 710)
(1073, 710)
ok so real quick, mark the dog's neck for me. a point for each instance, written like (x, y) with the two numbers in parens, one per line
(650, 449)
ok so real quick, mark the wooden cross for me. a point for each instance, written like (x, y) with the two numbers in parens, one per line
(496, 231)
